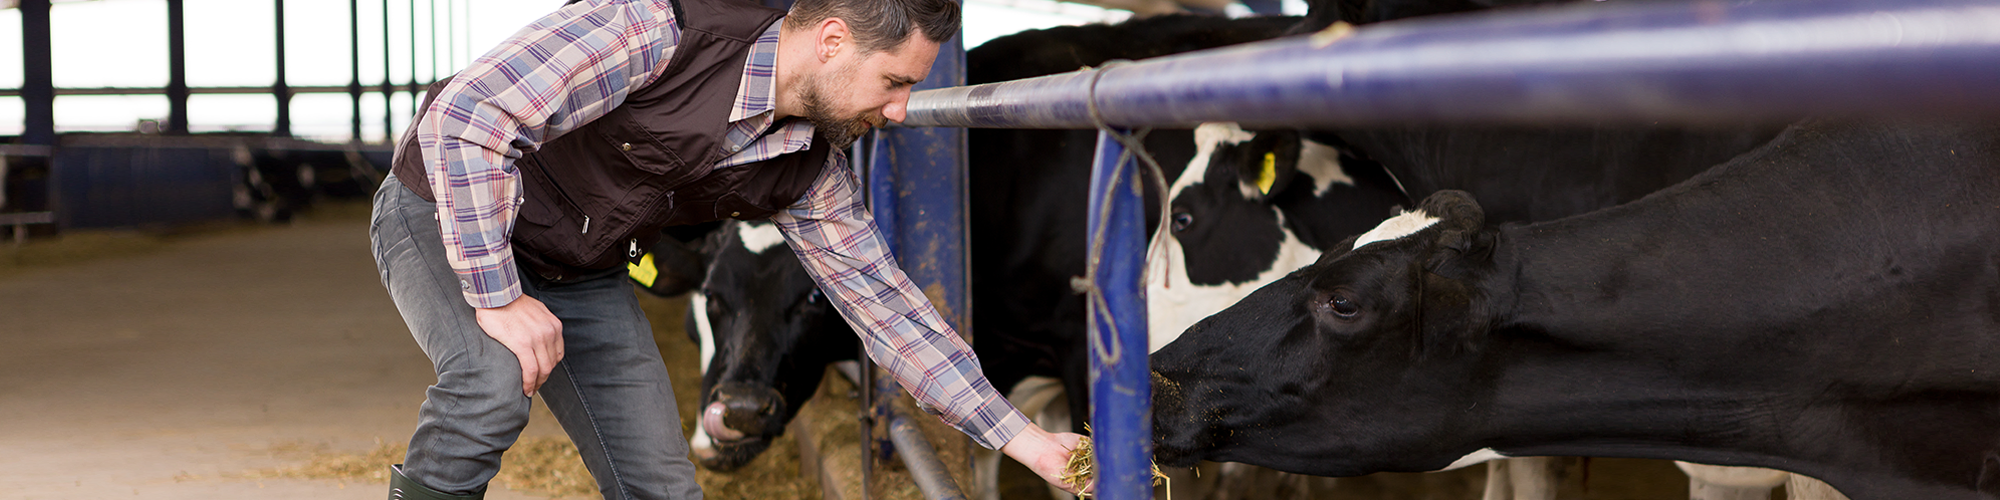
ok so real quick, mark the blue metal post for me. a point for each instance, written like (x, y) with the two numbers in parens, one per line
(1121, 393)
(917, 192)
(917, 186)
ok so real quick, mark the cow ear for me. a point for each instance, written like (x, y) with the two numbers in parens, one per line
(1460, 255)
(671, 268)
(1463, 245)
(1454, 314)
(1270, 165)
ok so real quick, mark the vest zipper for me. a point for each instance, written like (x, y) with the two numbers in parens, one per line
(634, 252)
(586, 224)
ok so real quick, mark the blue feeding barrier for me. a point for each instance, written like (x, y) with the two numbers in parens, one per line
(1695, 62)
(1685, 62)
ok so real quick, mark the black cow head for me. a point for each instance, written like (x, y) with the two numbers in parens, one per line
(1250, 208)
(1295, 376)
(766, 334)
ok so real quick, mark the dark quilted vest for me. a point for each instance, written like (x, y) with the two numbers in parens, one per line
(599, 195)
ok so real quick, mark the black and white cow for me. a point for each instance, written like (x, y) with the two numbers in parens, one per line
(1254, 206)
(1827, 304)
(1250, 208)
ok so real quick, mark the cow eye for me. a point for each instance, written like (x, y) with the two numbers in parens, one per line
(1182, 220)
(1343, 307)
(813, 298)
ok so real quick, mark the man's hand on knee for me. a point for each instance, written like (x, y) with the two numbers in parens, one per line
(526, 327)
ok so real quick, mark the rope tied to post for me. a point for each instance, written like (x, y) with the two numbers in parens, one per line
(1134, 146)
(1080, 471)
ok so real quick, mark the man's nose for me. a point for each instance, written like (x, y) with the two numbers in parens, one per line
(898, 108)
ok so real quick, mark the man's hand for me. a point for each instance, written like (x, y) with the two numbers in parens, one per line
(526, 327)
(1044, 452)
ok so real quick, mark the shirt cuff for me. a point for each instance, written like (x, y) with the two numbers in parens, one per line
(490, 287)
(1003, 430)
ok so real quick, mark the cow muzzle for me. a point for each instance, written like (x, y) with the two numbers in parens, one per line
(743, 411)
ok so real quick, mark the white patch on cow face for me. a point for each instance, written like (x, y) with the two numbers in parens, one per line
(1322, 163)
(1174, 303)
(760, 237)
(1207, 138)
(704, 330)
(1478, 457)
(1396, 227)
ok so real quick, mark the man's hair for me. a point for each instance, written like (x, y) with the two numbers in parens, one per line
(879, 25)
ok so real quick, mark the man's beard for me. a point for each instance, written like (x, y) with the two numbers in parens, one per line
(838, 132)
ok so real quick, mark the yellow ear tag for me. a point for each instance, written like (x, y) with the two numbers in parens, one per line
(1269, 175)
(643, 272)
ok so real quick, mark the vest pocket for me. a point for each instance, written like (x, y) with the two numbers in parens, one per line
(639, 146)
(551, 223)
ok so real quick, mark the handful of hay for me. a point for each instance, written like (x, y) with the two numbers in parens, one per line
(1082, 468)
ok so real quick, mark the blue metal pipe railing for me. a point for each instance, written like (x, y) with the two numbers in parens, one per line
(1684, 62)
(1121, 394)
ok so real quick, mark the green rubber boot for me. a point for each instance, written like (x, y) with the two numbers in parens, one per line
(402, 488)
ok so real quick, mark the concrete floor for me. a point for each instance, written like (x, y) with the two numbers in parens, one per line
(182, 371)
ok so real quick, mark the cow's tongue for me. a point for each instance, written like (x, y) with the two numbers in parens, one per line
(711, 420)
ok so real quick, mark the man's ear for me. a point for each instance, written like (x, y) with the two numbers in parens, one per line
(830, 38)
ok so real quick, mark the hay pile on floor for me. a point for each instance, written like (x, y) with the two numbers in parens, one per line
(539, 465)
(1082, 467)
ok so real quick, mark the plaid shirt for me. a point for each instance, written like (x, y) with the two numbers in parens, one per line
(577, 64)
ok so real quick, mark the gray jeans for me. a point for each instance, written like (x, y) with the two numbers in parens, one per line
(610, 392)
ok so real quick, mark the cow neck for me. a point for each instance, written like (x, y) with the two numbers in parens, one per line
(1739, 318)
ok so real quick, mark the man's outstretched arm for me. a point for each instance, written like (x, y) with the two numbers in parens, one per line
(835, 237)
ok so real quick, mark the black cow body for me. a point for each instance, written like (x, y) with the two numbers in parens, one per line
(1827, 304)
(1527, 174)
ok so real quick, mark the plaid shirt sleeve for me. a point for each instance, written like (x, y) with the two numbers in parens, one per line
(835, 236)
(560, 72)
